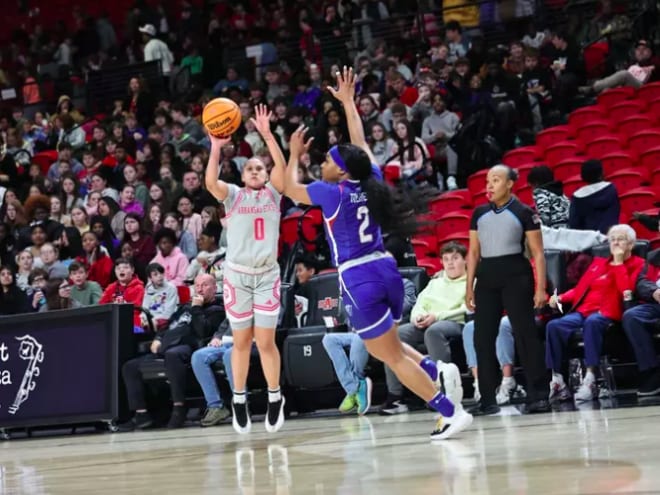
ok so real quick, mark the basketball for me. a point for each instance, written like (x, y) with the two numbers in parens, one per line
(221, 117)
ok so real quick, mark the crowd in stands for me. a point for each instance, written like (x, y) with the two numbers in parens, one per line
(109, 207)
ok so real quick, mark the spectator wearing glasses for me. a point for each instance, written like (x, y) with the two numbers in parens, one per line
(597, 301)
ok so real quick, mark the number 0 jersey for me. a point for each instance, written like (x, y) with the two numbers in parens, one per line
(349, 227)
(253, 226)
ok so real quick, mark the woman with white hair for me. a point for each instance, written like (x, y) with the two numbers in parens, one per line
(596, 302)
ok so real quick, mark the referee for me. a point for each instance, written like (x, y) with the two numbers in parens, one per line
(504, 281)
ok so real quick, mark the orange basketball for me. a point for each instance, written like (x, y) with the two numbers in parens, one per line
(221, 117)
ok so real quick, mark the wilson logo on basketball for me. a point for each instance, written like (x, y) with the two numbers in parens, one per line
(328, 303)
(218, 124)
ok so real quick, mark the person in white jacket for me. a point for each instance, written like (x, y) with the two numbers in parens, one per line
(155, 49)
(161, 297)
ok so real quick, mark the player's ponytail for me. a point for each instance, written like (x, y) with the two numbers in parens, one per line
(391, 209)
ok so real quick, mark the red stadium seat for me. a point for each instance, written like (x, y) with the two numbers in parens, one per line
(480, 199)
(520, 156)
(524, 194)
(460, 193)
(592, 130)
(625, 180)
(649, 92)
(634, 124)
(611, 97)
(643, 232)
(626, 109)
(423, 249)
(568, 168)
(581, 116)
(477, 182)
(443, 204)
(523, 173)
(653, 110)
(572, 184)
(644, 141)
(619, 160)
(551, 136)
(650, 159)
(639, 199)
(604, 145)
(431, 265)
(462, 237)
(560, 151)
(451, 223)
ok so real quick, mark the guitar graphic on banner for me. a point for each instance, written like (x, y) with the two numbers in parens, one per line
(29, 350)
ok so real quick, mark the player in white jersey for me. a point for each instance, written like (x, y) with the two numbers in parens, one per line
(251, 285)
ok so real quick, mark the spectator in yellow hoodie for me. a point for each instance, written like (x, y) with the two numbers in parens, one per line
(438, 315)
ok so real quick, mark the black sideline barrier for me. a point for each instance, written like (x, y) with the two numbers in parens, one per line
(63, 367)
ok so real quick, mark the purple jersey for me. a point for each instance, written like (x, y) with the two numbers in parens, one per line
(350, 228)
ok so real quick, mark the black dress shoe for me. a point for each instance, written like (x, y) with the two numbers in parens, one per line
(538, 406)
(481, 410)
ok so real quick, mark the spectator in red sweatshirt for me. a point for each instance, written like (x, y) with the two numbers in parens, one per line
(127, 289)
(596, 302)
(407, 94)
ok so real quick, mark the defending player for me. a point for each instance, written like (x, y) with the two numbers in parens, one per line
(251, 286)
(357, 206)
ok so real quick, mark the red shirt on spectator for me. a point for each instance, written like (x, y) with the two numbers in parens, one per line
(602, 286)
(100, 271)
(133, 293)
(409, 96)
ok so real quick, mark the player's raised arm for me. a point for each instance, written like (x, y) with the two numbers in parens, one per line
(261, 121)
(292, 188)
(345, 93)
(217, 187)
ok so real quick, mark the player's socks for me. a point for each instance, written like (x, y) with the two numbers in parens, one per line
(430, 367)
(442, 404)
(274, 395)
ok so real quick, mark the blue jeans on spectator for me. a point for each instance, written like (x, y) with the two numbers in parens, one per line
(559, 331)
(504, 344)
(638, 325)
(349, 369)
(202, 360)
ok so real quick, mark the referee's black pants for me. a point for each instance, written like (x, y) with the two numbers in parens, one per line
(507, 283)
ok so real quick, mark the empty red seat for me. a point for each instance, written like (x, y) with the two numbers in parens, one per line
(568, 168)
(649, 92)
(625, 109)
(634, 124)
(581, 116)
(392, 173)
(650, 159)
(644, 141)
(524, 194)
(572, 184)
(451, 223)
(480, 198)
(460, 193)
(520, 156)
(477, 182)
(551, 136)
(443, 204)
(602, 146)
(643, 232)
(523, 173)
(431, 265)
(592, 130)
(619, 160)
(625, 180)
(560, 151)
(611, 97)
(638, 199)
(423, 248)
(653, 110)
